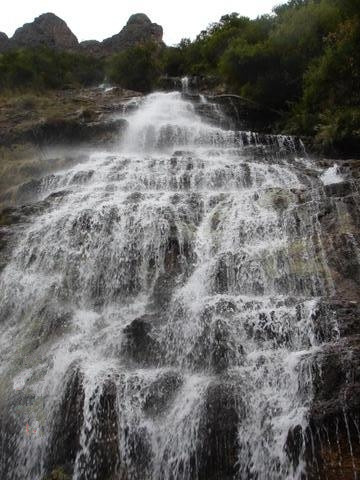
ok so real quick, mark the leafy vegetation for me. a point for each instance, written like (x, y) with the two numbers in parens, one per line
(44, 68)
(137, 68)
(304, 60)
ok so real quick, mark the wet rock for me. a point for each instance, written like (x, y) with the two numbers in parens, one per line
(336, 318)
(62, 131)
(163, 290)
(82, 177)
(139, 345)
(49, 321)
(332, 439)
(10, 429)
(102, 460)
(15, 215)
(294, 445)
(161, 393)
(247, 115)
(218, 435)
(28, 190)
(64, 442)
(224, 352)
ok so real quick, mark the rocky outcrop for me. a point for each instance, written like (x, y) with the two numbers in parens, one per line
(139, 29)
(218, 435)
(51, 31)
(4, 42)
(332, 439)
(46, 30)
(91, 47)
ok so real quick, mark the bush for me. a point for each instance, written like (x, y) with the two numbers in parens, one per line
(44, 68)
(137, 68)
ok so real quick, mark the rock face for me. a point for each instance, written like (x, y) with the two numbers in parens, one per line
(51, 31)
(4, 42)
(46, 30)
(331, 441)
(139, 29)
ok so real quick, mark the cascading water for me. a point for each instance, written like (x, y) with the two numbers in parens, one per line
(156, 315)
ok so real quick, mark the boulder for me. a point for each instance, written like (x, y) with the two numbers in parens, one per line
(139, 345)
(46, 30)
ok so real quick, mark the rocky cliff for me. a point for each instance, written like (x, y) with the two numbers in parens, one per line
(46, 30)
(139, 29)
(51, 31)
(4, 41)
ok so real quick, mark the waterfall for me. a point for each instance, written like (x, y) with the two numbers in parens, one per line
(156, 313)
(185, 84)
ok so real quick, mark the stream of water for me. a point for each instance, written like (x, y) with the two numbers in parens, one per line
(162, 305)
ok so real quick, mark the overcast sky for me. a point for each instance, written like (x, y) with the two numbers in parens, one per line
(90, 19)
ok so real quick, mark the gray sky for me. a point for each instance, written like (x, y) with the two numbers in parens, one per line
(90, 19)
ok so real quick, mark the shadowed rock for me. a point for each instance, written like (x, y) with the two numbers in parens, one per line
(218, 436)
(139, 345)
(66, 429)
(161, 393)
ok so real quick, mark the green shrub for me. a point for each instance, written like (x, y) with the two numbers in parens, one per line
(44, 68)
(137, 68)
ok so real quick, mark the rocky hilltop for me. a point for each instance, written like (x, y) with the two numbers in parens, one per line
(4, 40)
(51, 31)
(46, 30)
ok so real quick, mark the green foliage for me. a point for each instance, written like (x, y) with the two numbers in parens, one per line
(44, 68)
(303, 60)
(330, 105)
(137, 68)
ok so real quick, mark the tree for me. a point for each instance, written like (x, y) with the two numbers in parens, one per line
(137, 68)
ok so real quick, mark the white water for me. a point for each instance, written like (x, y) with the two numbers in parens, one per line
(209, 219)
(332, 175)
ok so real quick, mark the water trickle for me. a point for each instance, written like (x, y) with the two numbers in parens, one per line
(185, 84)
(167, 297)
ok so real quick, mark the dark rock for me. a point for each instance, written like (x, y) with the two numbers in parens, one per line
(139, 345)
(72, 131)
(64, 442)
(82, 177)
(102, 460)
(332, 446)
(336, 318)
(218, 435)
(138, 30)
(4, 42)
(247, 115)
(10, 429)
(46, 30)
(28, 190)
(91, 47)
(161, 393)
